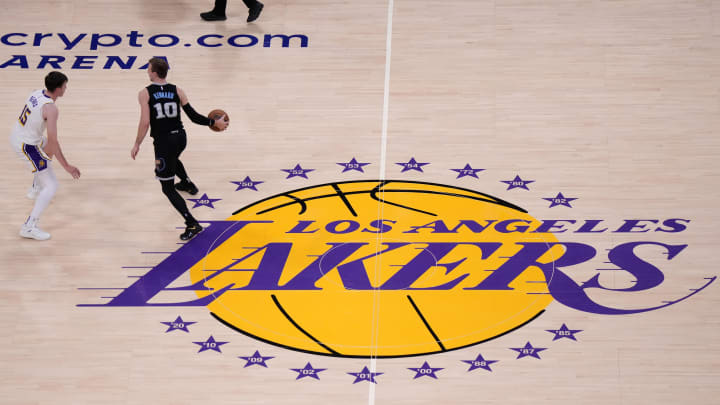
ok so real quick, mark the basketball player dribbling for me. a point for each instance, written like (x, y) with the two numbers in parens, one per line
(28, 142)
(159, 111)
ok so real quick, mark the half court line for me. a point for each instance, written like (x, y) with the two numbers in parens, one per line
(383, 156)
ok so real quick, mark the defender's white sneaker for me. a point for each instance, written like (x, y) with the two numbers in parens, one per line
(30, 230)
(34, 233)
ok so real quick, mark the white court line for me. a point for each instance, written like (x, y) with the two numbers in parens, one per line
(386, 92)
(383, 156)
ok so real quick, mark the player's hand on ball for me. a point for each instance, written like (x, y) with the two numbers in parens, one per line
(220, 118)
(221, 124)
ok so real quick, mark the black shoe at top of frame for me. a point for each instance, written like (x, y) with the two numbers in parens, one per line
(255, 12)
(212, 16)
(190, 231)
(187, 186)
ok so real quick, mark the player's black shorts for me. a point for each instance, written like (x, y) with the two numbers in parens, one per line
(168, 148)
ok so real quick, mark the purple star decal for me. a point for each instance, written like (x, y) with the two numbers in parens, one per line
(353, 165)
(425, 370)
(256, 359)
(528, 350)
(412, 165)
(308, 371)
(560, 199)
(204, 201)
(177, 324)
(247, 183)
(564, 332)
(480, 362)
(297, 171)
(365, 375)
(467, 171)
(210, 344)
(517, 182)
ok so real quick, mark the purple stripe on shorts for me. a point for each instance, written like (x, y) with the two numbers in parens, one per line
(36, 157)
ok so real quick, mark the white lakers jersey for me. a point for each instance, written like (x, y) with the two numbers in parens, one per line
(30, 125)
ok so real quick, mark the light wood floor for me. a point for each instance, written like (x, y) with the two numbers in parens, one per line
(616, 103)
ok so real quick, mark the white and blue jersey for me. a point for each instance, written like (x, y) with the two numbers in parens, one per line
(27, 137)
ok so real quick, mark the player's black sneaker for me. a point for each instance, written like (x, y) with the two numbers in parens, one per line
(191, 230)
(212, 16)
(255, 12)
(186, 186)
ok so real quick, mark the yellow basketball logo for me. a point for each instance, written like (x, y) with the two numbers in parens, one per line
(372, 268)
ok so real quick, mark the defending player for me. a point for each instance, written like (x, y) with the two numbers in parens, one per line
(27, 140)
(159, 111)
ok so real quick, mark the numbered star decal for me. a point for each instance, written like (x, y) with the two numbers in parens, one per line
(365, 375)
(210, 344)
(479, 362)
(560, 199)
(256, 359)
(308, 371)
(247, 183)
(528, 351)
(177, 324)
(353, 165)
(517, 182)
(564, 332)
(412, 165)
(204, 201)
(467, 171)
(425, 371)
(297, 171)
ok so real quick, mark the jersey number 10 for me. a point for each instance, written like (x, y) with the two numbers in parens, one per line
(170, 110)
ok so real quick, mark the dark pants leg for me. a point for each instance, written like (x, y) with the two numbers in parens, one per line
(168, 188)
(167, 154)
(221, 5)
(179, 167)
(181, 173)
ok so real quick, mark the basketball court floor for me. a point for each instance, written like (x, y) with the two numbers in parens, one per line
(464, 202)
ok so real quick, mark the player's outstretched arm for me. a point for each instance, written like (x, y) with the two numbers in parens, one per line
(50, 114)
(144, 124)
(196, 117)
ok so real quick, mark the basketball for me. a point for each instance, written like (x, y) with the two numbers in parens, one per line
(310, 279)
(215, 115)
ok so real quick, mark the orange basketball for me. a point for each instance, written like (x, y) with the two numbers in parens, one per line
(216, 115)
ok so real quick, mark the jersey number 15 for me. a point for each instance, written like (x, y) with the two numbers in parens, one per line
(24, 115)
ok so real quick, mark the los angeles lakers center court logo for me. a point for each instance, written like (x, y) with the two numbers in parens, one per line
(391, 269)
(339, 266)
